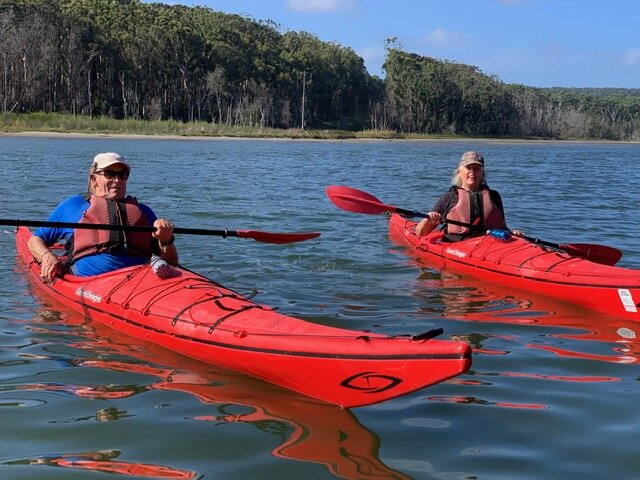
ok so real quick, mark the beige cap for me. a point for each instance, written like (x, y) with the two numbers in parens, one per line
(471, 157)
(104, 160)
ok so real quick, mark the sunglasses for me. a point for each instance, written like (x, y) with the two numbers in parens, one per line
(111, 174)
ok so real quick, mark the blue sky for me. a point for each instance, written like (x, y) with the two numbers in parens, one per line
(540, 43)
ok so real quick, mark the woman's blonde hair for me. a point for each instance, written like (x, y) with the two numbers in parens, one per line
(457, 181)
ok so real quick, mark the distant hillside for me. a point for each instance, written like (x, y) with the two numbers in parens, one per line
(601, 92)
(433, 96)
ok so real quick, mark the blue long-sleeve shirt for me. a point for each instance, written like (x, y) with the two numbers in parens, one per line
(71, 210)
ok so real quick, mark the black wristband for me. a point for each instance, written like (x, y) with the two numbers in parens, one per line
(170, 242)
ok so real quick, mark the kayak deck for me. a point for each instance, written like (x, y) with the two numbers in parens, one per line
(523, 265)
(199, 318)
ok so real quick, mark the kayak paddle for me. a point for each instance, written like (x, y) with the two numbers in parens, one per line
(265, 237)
(589, 251)
(354, 200)
(357, 201)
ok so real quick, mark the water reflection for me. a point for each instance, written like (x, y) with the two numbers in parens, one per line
(479, 401)
(568, 331)
(104, 461)
(465, 298)
(310, 430)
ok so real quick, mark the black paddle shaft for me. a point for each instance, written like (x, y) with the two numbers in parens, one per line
(413, 213)
(122, 228)
(530, 239)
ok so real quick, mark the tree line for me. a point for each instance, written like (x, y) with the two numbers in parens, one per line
(128, 59)
(428, 95)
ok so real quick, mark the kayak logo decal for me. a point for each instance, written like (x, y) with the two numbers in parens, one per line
(371, 382)
(82, 293)
(455, 253)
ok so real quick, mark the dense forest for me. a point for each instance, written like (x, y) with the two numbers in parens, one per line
(131, 60)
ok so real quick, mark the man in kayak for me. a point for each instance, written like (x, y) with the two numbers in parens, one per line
(470, 201)
(91, 252)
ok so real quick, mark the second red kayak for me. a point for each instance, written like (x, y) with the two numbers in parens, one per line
(523, 265)
(197, 317)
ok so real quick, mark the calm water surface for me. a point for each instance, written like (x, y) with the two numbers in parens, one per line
(553, 391)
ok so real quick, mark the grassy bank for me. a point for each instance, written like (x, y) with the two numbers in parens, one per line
(58, 123)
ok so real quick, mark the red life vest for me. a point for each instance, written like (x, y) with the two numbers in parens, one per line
(121, 212)
(491, 215)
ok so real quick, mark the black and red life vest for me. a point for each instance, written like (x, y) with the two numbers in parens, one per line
(113, 212)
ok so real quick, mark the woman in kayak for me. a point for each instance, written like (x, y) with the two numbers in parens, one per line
(91, 252)
(469, 200)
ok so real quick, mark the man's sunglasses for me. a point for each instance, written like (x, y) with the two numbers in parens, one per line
(111, 174)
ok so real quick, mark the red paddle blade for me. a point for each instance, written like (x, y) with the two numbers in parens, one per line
(271, 237)
(354, 200)
(594, 253)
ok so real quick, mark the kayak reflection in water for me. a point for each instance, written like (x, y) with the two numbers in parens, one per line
(469, 201)
(305, 429)
(90, 251)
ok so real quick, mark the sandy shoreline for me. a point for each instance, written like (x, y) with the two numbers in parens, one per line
(221, 137)
(34, 134)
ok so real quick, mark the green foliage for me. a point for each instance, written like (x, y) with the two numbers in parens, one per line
(432, 96)
(427, 95)
(76, 124)
(128, 59)
(149, 62)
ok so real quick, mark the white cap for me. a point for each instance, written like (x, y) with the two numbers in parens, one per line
(104, 160)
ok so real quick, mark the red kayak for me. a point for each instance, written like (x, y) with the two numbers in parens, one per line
(521, 264)
(199, 318)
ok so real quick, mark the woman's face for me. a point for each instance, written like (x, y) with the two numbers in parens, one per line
(471, 176)
(110, 183)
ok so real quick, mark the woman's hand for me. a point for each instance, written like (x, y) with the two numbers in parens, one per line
(427, 224)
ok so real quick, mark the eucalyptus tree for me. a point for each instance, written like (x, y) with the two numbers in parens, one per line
(25, 51)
